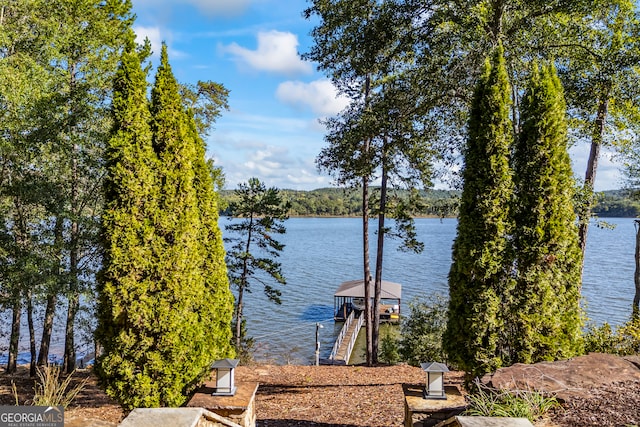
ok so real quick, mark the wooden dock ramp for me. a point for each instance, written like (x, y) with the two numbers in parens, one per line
(343, 347)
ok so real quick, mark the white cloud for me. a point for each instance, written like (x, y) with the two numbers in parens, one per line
(156, 37)
(281, 155)
(320, 96)
(608, 175)
(151, 33)
(276, 167)
(276, 52)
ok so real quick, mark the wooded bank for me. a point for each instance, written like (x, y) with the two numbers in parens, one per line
(331, 202)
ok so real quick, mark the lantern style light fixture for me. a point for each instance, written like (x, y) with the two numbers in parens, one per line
(434, 388)
(225, 381)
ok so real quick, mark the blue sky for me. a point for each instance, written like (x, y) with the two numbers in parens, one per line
(271, 130)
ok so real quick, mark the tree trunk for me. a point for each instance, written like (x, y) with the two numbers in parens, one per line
(243, 284)
(367, 271)
(32, 335)
(496, 24)
(47, 328)
(14, 339)
(584, 214)
(379, 259)
(636, 276)
(69, 360)
(52, 297)
(20, 236)
(239, 304)
(366, 146)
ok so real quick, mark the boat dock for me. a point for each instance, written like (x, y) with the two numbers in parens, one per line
(350, 296)
(348, 301)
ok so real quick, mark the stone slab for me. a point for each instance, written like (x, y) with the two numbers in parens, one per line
(155, 417)
(81, 421)
(174, 417)
(239, 408)
(419, 411)
(461, 421)
(633, 359)
(244, 397)
(415, 401)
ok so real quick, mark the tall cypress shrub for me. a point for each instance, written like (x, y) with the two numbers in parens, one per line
(128, 236)
(478, 279)
(216, 305)
(165, 303)
(547, 253)
(177, 357)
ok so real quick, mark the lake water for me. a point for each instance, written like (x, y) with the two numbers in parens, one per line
(321, 253)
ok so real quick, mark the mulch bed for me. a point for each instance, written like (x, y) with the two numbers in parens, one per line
(346, 396)
(617, 404)
(330, 395)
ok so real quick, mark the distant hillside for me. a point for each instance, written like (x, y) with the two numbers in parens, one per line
(347, 202)
(618, 203)
(441, 203)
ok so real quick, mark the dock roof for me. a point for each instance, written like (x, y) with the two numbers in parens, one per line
(355, 289)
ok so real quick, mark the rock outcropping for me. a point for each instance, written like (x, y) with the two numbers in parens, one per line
(567, 379)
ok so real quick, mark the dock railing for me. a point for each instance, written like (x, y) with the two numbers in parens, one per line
(343, 332)
(352, 340)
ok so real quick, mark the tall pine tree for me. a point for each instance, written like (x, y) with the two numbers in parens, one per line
(478, 279)
(547, 252)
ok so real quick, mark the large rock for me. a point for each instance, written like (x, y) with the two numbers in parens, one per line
(566, 378)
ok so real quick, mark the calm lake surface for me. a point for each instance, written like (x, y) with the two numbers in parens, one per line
(321, 253)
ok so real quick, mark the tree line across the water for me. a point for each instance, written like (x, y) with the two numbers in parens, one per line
(436, 203)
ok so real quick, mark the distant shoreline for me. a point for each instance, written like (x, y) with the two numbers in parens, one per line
(347, 203)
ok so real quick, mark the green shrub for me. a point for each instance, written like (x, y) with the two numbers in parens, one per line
(388, 352)
(421, 331)
(489, 402)
(600, 339)
(623, 340)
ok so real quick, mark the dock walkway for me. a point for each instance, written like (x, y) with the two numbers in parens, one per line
(343, 347)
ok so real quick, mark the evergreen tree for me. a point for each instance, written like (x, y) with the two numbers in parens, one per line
(254, 249)
(128, 236)
(216, 307)
(362, 45)
(57, 62)
(178, 356)
(547, 251)
(478, 279)
(165, 306)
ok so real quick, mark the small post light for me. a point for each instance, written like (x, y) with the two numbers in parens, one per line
(225, 381)
(435, 380)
